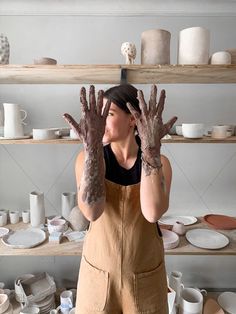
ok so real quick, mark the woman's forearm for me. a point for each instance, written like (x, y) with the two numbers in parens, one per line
(91, 194)
(154, 193)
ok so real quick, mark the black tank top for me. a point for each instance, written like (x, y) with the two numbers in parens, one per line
(118, 174)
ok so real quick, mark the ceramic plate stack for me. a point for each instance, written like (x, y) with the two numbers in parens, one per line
(45, 305)
(18, 291)
(170, 239)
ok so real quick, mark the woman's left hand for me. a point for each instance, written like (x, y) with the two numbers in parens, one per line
(149, 123)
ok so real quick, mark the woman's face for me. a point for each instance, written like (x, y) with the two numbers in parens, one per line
(119, 124)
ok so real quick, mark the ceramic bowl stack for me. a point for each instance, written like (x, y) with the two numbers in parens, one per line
(36, 291)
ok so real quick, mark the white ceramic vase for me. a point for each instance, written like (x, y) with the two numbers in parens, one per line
(155, 46)
(4, 49)
(37, 208)
(68, 201)
(194, 43)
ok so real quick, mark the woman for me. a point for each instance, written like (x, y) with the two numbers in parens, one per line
(123, 189)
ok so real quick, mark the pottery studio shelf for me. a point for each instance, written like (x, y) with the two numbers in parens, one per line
(67, 248)
(173, 139)
(111, 74)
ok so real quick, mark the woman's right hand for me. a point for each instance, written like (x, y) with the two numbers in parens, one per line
(91, 127)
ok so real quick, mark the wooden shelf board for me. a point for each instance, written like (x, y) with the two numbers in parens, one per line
(67, 248)
(175, 139)
(111, 74)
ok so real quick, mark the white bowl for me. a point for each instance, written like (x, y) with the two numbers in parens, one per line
(4, 303)
(193, 130)
(57, 225)
(45, 134)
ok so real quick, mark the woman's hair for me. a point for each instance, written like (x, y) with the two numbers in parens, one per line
(121, 94)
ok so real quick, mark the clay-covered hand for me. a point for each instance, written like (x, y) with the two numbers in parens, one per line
(150, 125)
(91, 127)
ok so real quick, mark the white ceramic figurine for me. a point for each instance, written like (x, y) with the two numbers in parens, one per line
(128, 50)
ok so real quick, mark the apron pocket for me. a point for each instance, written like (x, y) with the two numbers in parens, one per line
(93, 286)
(151, 290)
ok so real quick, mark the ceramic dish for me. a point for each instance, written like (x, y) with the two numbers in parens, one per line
(170, 239)
(3, 231)
(212, 307)
(24, 239)
(171, 220)
(15, 138)
(220, 221)
(207, 239)
(227, 301)
(75, 235)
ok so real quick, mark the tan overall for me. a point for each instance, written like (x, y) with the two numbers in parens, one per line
(122, 267)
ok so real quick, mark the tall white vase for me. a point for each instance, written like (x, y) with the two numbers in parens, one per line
(68, 201)
(37, 208)
(155, 46)
(194, 44)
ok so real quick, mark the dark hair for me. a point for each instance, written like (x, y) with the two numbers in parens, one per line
(121, 94)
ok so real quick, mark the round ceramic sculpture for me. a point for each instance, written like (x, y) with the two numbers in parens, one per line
(221, 57)
(4, 49)
(128, 50)
(155, 46)
(45, 61)
(194, 45)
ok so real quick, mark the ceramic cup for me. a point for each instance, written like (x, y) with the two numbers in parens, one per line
(3, 219)
(179, 228)
(191, 301)
(220, 131)
(66, 299)
(193, 130)
(14, 217)
(26, 216)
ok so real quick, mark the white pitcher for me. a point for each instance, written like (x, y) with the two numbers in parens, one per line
(176, 284)
(13, 122)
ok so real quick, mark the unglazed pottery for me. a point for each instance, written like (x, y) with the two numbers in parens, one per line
(68, 201)
(4, 49)
(128, 50)
(77, 220)
(45, 61)
(37, 209)
(176, 284)
(179, 228)
(221, 57)
(13, 122)
(219, 131)
(4, 303)
(191, 301)
(155, 46)
(194, 43)
(24, 239)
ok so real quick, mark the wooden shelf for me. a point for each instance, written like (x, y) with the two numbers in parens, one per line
(67, 248)
(174, 139)
(111, 74)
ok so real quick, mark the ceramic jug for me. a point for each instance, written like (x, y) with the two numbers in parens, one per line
(13, 122)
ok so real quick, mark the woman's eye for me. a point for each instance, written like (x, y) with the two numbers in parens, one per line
(110, 114)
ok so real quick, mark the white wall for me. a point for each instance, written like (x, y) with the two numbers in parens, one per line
(203, 175)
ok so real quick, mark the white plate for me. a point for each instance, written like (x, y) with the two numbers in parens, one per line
(24, 239)
(3, 231)
(171, 220)
(227, 301)
(15, 138)
(170, 239)
(207, 239)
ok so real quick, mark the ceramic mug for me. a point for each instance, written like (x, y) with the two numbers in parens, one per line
(220, 131)
(179, 228)
(191, 301)
(3, 219)
(66, 298)
(14, 217)
(26, 216)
